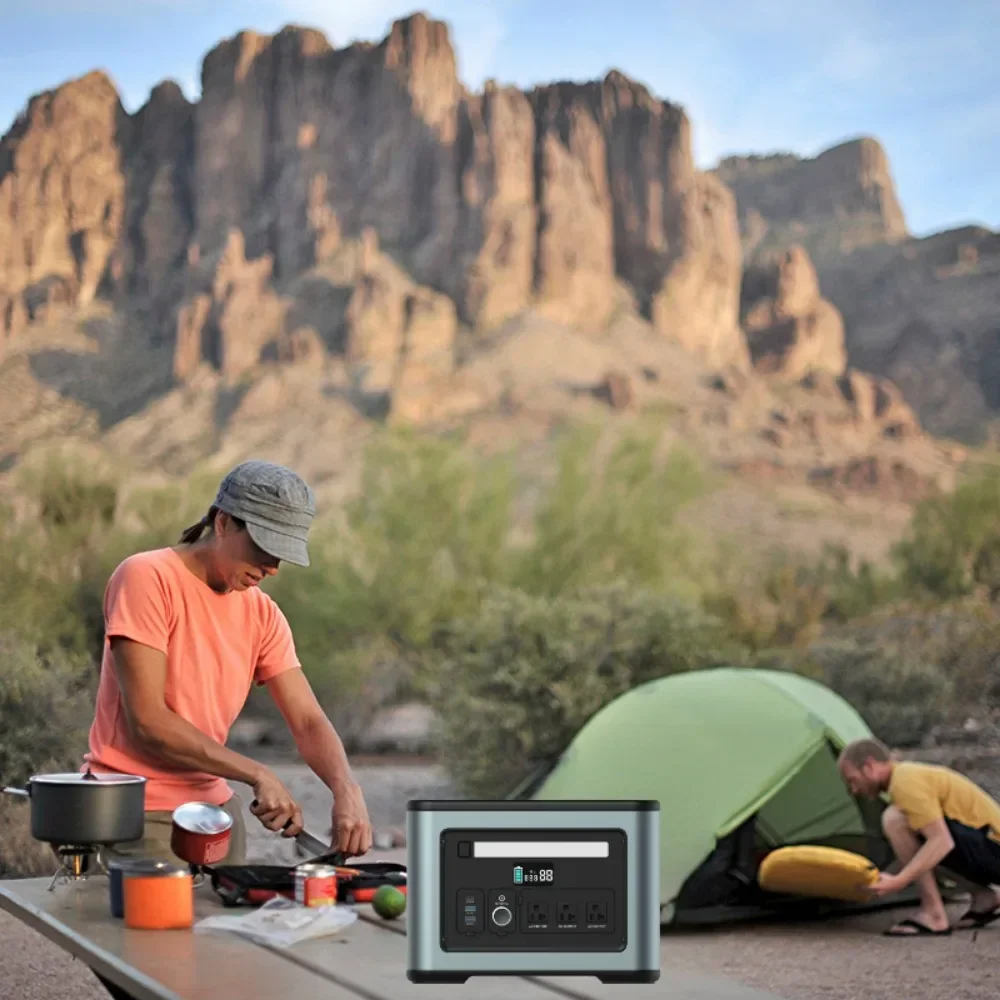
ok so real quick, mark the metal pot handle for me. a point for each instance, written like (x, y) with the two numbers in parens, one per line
(18, 791)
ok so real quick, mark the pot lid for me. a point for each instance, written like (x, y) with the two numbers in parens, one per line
(160, 871)
(147, 865)
(201, 817)
(89, 778)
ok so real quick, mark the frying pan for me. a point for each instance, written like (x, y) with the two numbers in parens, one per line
(253, 884)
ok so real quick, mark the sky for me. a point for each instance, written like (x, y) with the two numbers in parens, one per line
(755, 76)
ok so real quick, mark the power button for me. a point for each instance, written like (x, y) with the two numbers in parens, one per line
(500, 906)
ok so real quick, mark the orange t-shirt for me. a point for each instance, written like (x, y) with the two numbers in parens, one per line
(217, 646)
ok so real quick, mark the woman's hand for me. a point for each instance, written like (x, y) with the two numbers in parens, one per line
(352, 830)
(274, 806)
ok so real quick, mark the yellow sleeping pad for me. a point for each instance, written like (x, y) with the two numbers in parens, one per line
(823, 872)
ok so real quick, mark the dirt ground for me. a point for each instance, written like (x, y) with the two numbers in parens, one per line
(845, 959)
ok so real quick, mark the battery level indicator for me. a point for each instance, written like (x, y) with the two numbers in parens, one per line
(518, 874)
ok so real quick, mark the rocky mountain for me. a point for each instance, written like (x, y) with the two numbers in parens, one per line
(498, 201)
(923, 312)
(334, 236)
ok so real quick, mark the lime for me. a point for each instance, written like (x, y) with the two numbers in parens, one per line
(388, 902)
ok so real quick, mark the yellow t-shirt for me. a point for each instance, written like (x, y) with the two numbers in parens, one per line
(927, 792)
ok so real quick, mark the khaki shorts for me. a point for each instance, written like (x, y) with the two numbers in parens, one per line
(155, 842)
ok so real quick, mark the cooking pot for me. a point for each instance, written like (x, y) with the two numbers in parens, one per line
(85, 809)
(200, 833)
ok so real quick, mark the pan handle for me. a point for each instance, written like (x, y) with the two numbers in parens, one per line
(18, 791)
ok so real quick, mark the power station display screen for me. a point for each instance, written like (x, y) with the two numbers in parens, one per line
(534, 874)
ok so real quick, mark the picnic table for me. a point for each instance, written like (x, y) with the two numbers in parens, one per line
(365, 960)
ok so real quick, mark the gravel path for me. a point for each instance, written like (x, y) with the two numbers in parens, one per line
(830, 960)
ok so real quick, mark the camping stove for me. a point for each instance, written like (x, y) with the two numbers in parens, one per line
(533, 887)
(77, 862)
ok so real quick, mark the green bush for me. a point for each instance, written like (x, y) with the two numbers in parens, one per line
(953, 543)
(426, 528)
(901, 698)
(610, 514)
(790, 599)
(513, 683)
(46, 704)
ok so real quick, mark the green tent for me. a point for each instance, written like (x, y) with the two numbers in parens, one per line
(741, 761)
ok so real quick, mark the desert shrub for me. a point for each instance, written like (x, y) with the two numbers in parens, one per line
(21, 856)
(352, 684)
(609, 514)
(966, 646)
(426, 528)
(961, 638)
(953, 543)
(36, 586)
(513, 683)
(46, 704)
(899, 697)
(791, 598)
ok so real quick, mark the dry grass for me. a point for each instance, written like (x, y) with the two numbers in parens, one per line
(20, 855)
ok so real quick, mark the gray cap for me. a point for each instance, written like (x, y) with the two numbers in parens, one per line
(276, 504)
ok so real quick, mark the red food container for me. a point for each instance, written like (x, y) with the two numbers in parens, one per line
(316, 885)
(200, 833)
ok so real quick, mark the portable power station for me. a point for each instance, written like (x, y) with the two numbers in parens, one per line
(533, 887)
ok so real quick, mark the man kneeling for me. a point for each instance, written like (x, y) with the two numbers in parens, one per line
(937, 817)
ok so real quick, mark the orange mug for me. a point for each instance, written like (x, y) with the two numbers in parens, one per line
(158, 901)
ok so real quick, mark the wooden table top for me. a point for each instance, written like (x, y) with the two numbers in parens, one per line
(366, 959)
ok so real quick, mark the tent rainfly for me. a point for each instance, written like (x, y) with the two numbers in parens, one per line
(742, 762)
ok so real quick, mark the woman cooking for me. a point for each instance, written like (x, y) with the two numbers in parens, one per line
(188, 631)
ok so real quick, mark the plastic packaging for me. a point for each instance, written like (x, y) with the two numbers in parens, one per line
(282, 922)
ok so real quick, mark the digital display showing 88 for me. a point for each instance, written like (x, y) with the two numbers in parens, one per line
(534, 874)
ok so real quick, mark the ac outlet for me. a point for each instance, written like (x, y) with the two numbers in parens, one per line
(578, 911)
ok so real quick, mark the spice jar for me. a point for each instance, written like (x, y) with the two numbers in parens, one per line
(158, 900)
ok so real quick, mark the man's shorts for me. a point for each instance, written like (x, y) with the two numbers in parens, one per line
(975, 856)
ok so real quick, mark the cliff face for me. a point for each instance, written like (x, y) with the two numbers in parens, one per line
(62, 200)
(562, 200)
(843, 199)
(792, 330)
(923, 312)
(359, 203)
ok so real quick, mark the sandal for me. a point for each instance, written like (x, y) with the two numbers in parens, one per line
(917, 930)
(974, 919)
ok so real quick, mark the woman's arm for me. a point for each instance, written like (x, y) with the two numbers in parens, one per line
(322, 749)
(164, 735)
